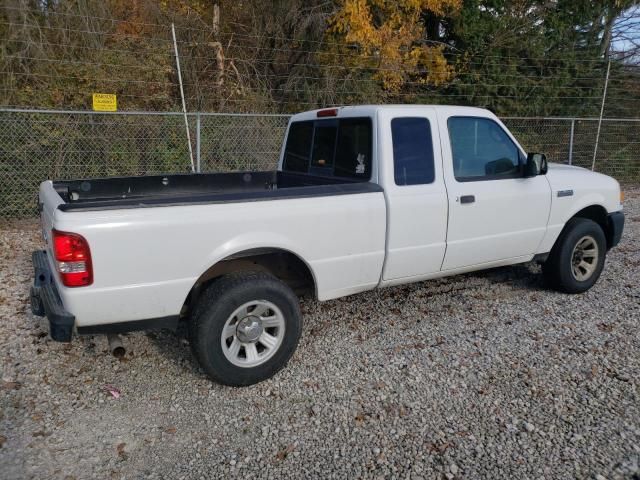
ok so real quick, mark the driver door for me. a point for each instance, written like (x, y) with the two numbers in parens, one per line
(495, 214)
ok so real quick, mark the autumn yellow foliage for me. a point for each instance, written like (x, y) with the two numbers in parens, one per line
(389, 38)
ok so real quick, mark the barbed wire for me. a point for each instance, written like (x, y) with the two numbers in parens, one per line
(239, 60)
(209, 31)
(280, 49)
(547, 76)
(292, 76)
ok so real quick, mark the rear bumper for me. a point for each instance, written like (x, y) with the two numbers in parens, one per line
(46, 302)
(616, 226)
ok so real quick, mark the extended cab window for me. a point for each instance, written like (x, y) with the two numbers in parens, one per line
(412, 151)
(324, 147)
(482, 150)
(330, 147)
(296, 155)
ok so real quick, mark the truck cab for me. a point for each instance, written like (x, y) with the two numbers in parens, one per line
(456, 186)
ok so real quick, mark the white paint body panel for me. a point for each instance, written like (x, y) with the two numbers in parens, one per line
(416, 214)
(146, 260)
(589, 188)
(508, 218)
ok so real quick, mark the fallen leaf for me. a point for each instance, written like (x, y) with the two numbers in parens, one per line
(438, 448)
(11, 385)
(3, 440)
(120, 449)
(284, 452)
(115, 393)
(170, 430)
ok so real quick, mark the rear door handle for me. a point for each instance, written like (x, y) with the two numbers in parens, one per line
(467, 198)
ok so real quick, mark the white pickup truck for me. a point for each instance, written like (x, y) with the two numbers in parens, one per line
(363, 197)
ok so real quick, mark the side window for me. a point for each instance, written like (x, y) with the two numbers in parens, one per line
(298, 149)
(353, 153)
(482, 150)
(412, 151)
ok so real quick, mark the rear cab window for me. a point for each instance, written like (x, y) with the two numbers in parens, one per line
(336, 147)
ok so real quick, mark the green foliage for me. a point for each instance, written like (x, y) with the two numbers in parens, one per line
(528, 58)
(525, 57)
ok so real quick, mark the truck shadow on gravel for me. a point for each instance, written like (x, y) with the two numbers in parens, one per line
(174, 346)
(527, 276)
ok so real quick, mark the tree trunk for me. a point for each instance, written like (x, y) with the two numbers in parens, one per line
(611, 15)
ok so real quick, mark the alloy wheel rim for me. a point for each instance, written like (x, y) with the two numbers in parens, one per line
(584, 258)
(253, 333)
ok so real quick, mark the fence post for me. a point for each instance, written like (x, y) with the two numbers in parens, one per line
(184, 105)
(604, 97)
(573, 125)
(198, 142)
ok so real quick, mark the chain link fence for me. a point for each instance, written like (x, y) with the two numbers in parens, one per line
(572, 141)
(39, 144)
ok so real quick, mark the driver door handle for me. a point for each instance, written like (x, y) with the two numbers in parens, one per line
(467, 199)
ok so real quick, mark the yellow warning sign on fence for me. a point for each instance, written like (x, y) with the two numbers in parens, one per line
(105, 102)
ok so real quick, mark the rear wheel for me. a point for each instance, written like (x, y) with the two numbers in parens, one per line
(577, 259)
(245, 328)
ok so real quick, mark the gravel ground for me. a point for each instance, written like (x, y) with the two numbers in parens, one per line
(486, 375)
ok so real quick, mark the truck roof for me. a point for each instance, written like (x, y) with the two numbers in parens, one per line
(370, 110)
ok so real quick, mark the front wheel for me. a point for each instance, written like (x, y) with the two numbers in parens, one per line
(245, 328)
(577, 259)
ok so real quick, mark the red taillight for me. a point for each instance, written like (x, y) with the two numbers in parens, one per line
(73, 259)
(327, 112)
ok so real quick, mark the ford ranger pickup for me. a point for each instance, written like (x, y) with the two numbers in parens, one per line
(363, 197)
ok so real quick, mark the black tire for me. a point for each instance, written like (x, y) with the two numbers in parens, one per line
(215, 306)
(558, 269)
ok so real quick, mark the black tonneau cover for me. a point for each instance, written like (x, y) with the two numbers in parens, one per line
(201, 188)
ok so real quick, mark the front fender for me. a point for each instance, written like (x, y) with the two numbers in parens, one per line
(574, 189)
(560, 219)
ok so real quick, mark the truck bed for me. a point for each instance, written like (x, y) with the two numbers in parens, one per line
(202, 188)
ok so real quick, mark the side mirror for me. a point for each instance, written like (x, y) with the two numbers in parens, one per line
(536, 165)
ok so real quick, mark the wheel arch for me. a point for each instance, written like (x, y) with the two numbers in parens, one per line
(559, 265)
(598, 214)
(282, 263)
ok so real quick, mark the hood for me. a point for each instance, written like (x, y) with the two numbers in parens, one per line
(565, 167)
(562, 176)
